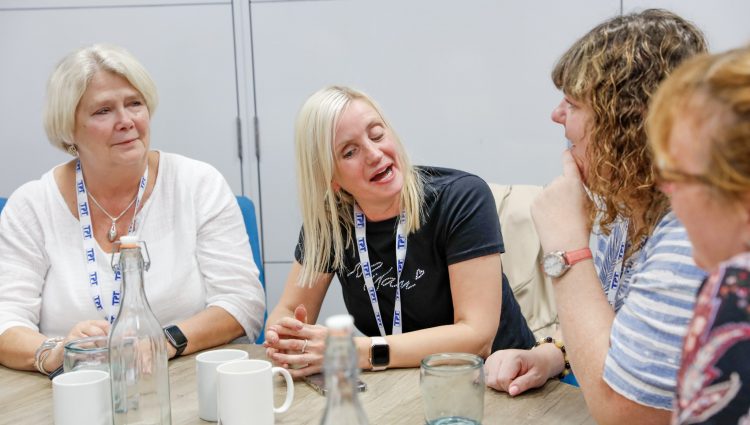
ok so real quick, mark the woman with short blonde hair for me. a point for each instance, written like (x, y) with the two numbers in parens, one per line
(57, 234)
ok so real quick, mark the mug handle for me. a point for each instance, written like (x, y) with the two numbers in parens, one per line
(289, 389)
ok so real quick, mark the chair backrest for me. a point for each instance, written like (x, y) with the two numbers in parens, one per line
(523, 255)
(251, 227)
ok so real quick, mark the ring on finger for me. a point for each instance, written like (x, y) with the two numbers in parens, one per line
(304, 346)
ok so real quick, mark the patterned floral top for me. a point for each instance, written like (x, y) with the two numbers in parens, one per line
(714, 379)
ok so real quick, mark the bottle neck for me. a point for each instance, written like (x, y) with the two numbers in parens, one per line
(341, 367)
(131, 267)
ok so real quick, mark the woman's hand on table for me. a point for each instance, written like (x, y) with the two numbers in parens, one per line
(295, 345)
(80, 330)
(515, 371)
(88, 328)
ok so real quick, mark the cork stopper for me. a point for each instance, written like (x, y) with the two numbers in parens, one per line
(128, 241)
(340, 321)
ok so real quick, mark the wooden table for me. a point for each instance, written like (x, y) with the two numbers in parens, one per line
(392, 397)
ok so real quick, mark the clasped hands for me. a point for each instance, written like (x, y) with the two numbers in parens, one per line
(295, 345)
(83, 329)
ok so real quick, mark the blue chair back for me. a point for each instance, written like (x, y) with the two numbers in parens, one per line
(251, 227)
(571, 379)
(2, 203)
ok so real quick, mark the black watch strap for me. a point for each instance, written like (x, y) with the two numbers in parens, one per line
(56, 372)
(176, 338)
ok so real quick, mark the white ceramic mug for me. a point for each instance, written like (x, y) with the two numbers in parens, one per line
(205, 371)
(82, 397)
(245, 392)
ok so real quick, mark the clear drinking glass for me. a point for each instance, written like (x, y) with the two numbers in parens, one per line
(452, 387)
(90, 353)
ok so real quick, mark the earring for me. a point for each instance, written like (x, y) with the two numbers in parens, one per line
(72, 150)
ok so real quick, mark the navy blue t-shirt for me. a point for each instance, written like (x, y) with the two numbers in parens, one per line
(460, 223)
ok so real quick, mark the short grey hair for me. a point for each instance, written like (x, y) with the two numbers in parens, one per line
(71, 77)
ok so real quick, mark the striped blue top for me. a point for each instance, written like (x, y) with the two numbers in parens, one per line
(653, 307)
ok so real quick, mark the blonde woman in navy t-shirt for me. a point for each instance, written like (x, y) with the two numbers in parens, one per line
(416, 249)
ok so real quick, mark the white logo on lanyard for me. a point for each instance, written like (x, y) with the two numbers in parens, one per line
(618, 269)
(84, 216)
(364, 260)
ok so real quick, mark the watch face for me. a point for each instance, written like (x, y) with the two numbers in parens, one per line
(553, 264)
(176, 337)
(380, 355)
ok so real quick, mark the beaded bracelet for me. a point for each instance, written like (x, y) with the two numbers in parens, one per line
(561, 346)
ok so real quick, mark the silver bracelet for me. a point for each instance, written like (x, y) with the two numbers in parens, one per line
(41, 354)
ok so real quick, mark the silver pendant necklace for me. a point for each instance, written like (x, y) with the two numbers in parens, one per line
(112, 234)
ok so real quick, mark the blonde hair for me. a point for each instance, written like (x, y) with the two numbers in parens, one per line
(327, 214)
(72, 75)
(713, 91)
(614, 69)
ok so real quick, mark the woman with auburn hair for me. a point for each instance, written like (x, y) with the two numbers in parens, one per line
(623, 315)
(416, 249)
(699, 129)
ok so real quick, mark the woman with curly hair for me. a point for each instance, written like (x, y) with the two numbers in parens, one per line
(624, 315)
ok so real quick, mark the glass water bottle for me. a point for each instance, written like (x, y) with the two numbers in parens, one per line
(341, 368)
(137, 348)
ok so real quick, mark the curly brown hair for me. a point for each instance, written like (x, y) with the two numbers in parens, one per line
(614, 69)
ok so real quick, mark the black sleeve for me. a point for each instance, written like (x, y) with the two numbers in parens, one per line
(299, 251)
(469, 219)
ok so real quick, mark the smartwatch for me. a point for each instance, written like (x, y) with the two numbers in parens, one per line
(176, 338)
(380, 354)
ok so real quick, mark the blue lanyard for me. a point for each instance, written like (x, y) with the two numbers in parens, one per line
(364, 259)
(89, 253)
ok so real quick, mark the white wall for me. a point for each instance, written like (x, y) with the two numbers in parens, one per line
(725, 22)
(189, 49)
(465, 83)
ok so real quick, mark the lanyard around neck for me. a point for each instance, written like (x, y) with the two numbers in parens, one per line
(360, 223)
(89, 253)
(619, 232)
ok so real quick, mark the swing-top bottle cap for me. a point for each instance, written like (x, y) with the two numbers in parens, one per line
(340, 321)
(128, 241)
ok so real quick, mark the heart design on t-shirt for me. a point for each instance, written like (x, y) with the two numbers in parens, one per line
(419, 274)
